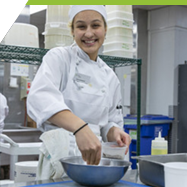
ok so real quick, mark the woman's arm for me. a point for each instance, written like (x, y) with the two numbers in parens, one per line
(87, 142)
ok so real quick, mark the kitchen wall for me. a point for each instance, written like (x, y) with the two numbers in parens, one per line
(167, 37)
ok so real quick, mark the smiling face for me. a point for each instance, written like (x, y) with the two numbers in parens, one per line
(89, 32)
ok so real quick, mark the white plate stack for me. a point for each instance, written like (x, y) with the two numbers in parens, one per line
(2, 22)
(57, 33)
(119, 38)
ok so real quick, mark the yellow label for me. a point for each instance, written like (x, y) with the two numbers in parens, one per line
(158, 151)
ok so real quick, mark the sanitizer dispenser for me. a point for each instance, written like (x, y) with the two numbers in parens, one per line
(159, 146)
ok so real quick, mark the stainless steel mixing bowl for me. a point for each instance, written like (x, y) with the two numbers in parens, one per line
(108, 172)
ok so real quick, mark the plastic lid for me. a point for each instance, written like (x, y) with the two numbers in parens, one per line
(113, 145)
(149, 117)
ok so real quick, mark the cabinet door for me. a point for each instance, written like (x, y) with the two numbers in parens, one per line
(182, 109)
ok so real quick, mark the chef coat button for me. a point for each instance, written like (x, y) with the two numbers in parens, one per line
(77, 63)
(103, 91)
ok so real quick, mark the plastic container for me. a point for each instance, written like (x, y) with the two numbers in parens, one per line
(57, 28)
(159, 146)
(117, 38)
(57, 13)
(57, 31)
(25, 171)
(120, 22)
(119, 53)
(127, 8)
(57, 41)
(120, 14)
(175, 174)
(114, 45)
(21, 34)
(119, 31)
(112, 150)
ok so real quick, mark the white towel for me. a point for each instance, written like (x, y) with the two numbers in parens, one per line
(55, 146)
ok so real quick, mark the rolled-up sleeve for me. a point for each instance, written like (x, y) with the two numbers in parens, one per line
(115, 118)
(45, 97)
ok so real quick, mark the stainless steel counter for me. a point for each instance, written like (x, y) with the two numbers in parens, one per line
(130, 176)
(20, 134)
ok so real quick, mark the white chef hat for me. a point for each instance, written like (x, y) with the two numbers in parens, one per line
(75, 9)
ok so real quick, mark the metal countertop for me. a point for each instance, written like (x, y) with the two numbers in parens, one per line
(130, 179)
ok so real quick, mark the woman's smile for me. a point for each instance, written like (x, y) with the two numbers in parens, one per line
(89, 43)
(89, 32)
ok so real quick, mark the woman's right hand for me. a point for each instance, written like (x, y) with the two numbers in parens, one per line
(89, 146)
(87, 142)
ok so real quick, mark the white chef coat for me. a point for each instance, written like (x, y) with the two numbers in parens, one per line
(3, 111)
(68, 80)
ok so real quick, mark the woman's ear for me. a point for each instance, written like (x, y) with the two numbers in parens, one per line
(105, 30)
(72, 33)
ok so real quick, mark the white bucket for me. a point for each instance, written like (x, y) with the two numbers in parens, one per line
(127, 8)
(175, 174)
(25, 171)
(22, 34)
(57, 41)
(119, 53)
(120, 22)
(115, 45)
(57, 13)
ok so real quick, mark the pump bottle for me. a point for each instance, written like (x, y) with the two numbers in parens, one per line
(159, 146)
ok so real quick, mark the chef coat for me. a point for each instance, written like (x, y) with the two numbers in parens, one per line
(3, 111)
(69, 80)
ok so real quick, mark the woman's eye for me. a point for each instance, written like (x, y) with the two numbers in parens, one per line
(81, 26)
(95, 25)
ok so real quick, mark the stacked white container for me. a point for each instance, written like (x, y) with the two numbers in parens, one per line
(2, 22)
(119, 38)
(57, 33)
(22, 34)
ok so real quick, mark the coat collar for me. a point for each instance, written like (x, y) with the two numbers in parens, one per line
(81, 54)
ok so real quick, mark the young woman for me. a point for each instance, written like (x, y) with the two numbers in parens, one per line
(75, 90)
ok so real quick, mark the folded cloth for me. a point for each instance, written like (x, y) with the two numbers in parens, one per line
(54, 147)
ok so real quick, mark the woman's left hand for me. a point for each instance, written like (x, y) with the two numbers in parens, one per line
(116, 134)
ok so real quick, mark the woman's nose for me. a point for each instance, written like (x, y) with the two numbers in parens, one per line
(89, 32)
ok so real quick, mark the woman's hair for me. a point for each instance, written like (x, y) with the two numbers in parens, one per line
(70, 24)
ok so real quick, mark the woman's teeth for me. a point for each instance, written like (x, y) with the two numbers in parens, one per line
(89, 41)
